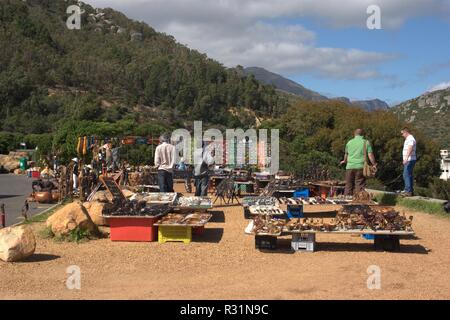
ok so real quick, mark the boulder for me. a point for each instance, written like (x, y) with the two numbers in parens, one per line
(95, 210)
(9, 163)
(16, 243)
(69, 218)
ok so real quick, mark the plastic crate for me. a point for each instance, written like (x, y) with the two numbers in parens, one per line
(174, 234)
(265, 242)
(303, 242)
(295, 211)
(133, 229)
(301, 193)
(368, 236)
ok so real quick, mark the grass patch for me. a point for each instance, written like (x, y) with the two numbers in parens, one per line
(42, 217)
(46, 233)
(423, 206)
(77, 236)
(412, 204)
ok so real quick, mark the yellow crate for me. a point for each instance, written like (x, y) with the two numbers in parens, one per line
(171, 233)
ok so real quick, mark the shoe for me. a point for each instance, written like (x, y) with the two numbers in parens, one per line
(405, 194)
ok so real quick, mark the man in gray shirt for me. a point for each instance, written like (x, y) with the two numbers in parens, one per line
(203, 159)
(165, 161)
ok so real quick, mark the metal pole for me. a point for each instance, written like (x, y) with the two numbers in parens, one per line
(3, 216)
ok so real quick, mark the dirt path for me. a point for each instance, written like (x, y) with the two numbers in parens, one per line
(223, 264)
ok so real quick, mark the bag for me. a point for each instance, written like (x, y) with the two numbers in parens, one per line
(368, 170)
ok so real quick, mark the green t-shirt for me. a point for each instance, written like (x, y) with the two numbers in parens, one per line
(355, 151)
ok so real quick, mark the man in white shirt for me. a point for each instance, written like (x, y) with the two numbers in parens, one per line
(409, 161)
(165, 161)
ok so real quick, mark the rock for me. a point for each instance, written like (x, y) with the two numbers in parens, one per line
(69, 218)
(102, 196)
(9, 163)
(95, 210)
(16, 243)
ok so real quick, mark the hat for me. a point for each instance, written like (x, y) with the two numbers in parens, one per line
(75, 159)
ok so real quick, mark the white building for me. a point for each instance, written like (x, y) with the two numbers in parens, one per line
(445, 165)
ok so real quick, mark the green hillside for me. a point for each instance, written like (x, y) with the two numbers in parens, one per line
(112, 70)
(430, 113)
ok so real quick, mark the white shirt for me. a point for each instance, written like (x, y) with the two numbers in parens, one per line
(165, 157)
(409, 141)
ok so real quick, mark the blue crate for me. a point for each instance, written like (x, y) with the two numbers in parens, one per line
(369, 236)
(301, 193)
(295, 211)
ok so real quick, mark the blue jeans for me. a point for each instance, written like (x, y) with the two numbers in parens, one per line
(408, 176)
(201, 185)
(165, 181)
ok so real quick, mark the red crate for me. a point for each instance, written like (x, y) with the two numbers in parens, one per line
(139, 229)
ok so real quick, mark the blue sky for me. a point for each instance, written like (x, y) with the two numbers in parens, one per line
(422, 47)
(324, 45)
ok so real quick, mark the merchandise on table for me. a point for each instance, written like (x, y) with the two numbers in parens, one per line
(373, 217)
(194, 202)
(194, 219)
(266, 210)
(259, 201)
(138, 208)
(266, 225)
(156, 197)
(313, 201)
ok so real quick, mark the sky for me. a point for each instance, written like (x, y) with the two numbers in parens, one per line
(325, 45)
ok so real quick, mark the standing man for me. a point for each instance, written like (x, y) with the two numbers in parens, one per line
(75, 173)
(203, 159)
(354, 158)
(409, 161)
(165, 161)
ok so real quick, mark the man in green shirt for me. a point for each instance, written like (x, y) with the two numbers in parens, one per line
(354, 158)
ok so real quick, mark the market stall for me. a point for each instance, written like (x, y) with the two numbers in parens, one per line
(382, 224)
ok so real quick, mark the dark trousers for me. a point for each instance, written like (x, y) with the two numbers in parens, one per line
(201, 186)
(354, 181)
(165, 181)
(408, 176)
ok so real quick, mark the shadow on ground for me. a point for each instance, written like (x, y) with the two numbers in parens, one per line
(217, 216)
(209, 235)
(41, 257)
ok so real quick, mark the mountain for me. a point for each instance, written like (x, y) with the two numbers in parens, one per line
(283, 84)
(430, 113)
(372, 105)
(292, 87)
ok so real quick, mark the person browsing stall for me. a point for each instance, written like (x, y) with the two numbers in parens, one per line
(165, 161)
(354, 158)
(204, 159)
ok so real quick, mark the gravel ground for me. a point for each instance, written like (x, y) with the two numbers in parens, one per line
(223, 264)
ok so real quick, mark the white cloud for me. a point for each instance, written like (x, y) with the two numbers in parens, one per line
(440, 86)
(248, 32)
